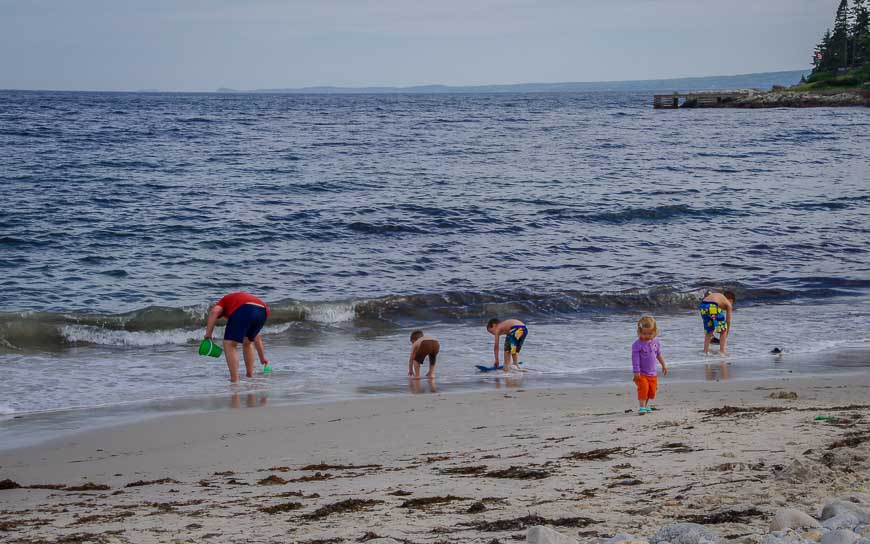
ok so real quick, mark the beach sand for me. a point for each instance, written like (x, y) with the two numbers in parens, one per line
(451, 468)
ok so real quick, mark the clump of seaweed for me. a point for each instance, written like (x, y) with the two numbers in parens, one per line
(424, 502)
(725, 516)
(519, 473)
(141, 483)
(285, 507)
(472, 470)
(272, 479)
(343, 507)
(599, 454)
(519, 524)
(90, 486)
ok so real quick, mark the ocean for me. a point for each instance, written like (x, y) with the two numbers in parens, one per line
(361, 218)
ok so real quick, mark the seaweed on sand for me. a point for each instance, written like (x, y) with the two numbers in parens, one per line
(602, 453)
(285, 507)
(725, 516)
(519, 524)
(324, 466)
(519, 473)
(90, 486)
(343, 507)
(472, 470)
(272, 479)
(424, 502)
(141, 483)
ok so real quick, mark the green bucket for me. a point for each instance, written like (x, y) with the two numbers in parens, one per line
(209, 348)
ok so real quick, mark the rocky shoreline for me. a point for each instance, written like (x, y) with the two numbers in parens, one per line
(785, 99)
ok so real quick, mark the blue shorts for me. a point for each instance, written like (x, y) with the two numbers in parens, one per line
(245, 322)
(713, 317)
(514, 340)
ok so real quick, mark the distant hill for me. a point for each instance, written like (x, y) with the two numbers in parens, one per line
(762, 81)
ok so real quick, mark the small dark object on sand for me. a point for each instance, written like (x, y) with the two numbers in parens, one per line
(776, 351)
(714, 340)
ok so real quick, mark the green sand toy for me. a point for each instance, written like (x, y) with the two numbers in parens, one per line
(267, 369)
(208, 348)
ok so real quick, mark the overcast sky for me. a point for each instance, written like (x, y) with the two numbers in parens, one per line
(254, 44)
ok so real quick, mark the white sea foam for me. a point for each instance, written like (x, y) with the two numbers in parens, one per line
(96, 335)
(6, 410)
(339, 312)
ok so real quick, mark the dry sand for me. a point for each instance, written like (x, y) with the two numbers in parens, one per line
(450, 468)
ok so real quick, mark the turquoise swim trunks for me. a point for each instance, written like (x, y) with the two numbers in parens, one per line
(713, 317)
(514, 339)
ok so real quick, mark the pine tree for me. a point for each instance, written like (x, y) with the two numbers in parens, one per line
(822, 60)
(860, 32)
(838, 50)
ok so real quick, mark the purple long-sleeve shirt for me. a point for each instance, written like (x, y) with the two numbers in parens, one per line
(644, 356)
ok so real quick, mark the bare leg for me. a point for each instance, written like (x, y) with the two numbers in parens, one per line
(232, 359)
(416, 370)
(507, 361)
(431, 373)
(707, 338)
(248, 352)
(723, 336)
(261, 351)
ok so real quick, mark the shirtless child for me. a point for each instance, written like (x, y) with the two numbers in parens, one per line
(515, 333)
(422, 346)
(716, 310)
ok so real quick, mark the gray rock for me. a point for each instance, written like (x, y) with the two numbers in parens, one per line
(840, 536)
(838, 507)
(843, 520)
(791, 519)
(619, 537)
(685, 533)
(786, 537)
(544, 535)
(383, 541)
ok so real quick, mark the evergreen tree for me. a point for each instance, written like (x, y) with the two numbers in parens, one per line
(822, 60)
(838, 48)
(860, 32)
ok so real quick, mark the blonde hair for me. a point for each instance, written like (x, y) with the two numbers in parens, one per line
(646, 323)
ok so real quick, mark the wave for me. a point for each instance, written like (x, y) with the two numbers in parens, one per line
(655, 214)
(159, 325)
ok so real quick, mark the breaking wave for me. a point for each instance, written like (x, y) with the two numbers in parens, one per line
(156, 325)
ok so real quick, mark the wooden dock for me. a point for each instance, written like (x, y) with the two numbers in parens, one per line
(702, 99)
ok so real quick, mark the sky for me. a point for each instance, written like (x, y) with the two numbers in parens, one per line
(201, 45)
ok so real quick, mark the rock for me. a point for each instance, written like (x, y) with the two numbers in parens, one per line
(788, 536)
(838, 507)
(385, 540)
(840, 536)
(815, 536)
(685, 533)
(791, 519)
(544, 535)
(846, 520)
(624, 538)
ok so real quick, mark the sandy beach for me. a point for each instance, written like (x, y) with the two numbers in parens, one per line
(450, 468)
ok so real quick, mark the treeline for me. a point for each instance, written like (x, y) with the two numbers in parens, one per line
(848, 45)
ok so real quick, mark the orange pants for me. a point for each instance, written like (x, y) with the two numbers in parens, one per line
(646, 386)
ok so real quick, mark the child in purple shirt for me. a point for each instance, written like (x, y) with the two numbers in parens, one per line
(645, 351)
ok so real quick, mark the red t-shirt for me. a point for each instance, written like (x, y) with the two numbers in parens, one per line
(230, 303)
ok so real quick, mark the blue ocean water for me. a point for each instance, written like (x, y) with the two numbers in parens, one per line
(359, 218)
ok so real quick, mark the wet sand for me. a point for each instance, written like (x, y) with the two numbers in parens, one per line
(450, 468)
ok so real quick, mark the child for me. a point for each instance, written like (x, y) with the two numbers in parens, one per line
(644, 353)
(246, 315)
(716, 309)
(421, 347)
(515, 332)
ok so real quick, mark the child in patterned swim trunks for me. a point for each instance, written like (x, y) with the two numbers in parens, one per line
(515, 333)
(645, 351)
(716, 310)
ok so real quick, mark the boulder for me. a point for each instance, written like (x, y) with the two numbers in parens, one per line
(839, 507)
(540, 534)
(791, 519)
(685, 533)
(845, 520)
(840, 536)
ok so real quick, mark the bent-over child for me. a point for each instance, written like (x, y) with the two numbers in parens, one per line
(716, 310)
(422, 346)
(515, 333)
(645, 351)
